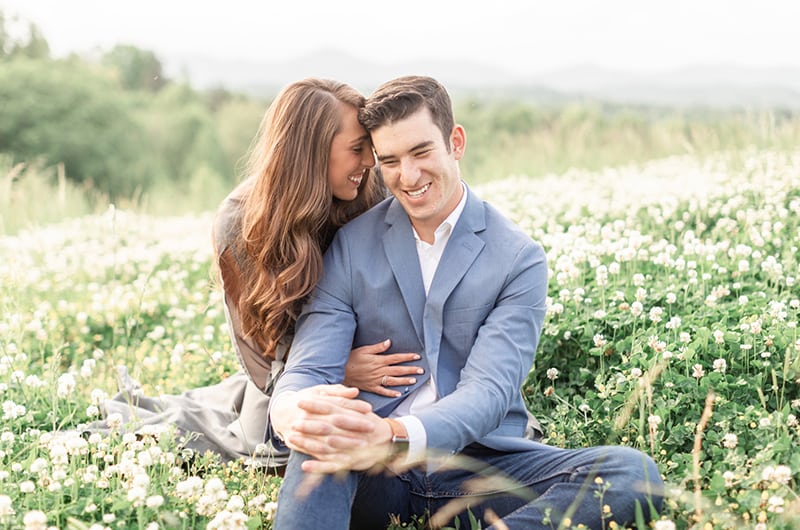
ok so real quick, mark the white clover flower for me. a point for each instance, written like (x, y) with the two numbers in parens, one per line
(226, 520)
(27, 486)
(655, 314)
(7, 437)
(599, 340)
(6, 506)
(38, 465)
(685, 337)
(791, 421)
(671, 298)
(638, 279)
(664, 524)
(92, 411)
(775, 504)
(599, 314)
(114, 420)
(720, 365)
(35, 520)
(719, 337)
(654, 421)
(729, 477)
(137, 495)
(152, 525)
(552, 374)
(730, 440)
(190, 487)
(743, 299)
(698, 371)
(65, 385)
(637, 308)
(154, 501)
(636, 372)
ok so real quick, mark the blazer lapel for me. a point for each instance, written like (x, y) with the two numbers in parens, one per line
(401, 252)
(459, 254)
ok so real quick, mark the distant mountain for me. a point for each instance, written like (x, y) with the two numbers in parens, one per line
(697, 85)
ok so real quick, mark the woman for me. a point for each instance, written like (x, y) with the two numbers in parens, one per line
(310, 171)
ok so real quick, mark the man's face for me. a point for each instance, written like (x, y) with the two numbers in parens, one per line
(419, 169)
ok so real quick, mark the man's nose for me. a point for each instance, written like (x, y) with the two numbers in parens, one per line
(409, 171)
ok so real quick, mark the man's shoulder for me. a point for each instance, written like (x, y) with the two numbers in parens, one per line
(501, 226)
(370, 220)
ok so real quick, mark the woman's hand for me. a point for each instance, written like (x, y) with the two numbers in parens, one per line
(368, 370)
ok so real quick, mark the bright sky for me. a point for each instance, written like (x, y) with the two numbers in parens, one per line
(522, 36)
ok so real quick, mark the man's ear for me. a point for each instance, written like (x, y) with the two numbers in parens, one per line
(458, 141)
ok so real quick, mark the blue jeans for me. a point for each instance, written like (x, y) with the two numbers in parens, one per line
(531, 489)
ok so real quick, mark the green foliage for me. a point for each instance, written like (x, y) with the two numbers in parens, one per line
(136, 69)
(31, 45)
(65, 112)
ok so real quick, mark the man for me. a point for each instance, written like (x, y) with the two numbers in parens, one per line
(439, 272)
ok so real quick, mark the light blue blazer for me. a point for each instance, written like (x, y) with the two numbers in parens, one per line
(476, 331)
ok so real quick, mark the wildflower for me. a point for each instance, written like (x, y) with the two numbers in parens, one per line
(775, 504)
(35, 520)
(664, 524)
(6, 508)
(671, 298)
(743, 299)
(791, 420)
(137, 495)
(719, 337)
(114, 420)
(27, 486)
(674, 322)
(599, 340)
(720, 365)
(685, 337)
(730, 440)
(66, 385)
(552, 374)
(154, 501)
(636, 373)
(781, 474)
(729, 477)
(654, 421)
(637, 308)
(655, 314)
(638, 279)
(697, 371)
(189, 488)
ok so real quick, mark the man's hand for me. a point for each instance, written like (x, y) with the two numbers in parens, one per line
(329, 424)
(368, 370)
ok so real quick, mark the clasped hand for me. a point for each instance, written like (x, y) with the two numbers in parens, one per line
(328, 423)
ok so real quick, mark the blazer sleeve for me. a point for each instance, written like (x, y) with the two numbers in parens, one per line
(498, 362)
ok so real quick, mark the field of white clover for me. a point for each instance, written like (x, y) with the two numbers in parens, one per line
(671, 327)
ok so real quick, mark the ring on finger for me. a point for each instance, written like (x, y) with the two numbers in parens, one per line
(384, 380)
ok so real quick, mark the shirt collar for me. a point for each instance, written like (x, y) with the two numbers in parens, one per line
(451, 220)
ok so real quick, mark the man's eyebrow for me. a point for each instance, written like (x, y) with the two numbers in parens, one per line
(422, 145)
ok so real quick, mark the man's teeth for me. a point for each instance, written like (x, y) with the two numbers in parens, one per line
(419, 192)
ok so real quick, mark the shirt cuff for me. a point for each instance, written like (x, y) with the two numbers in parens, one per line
(417, 439)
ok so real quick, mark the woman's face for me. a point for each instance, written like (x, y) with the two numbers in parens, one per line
(350, 157)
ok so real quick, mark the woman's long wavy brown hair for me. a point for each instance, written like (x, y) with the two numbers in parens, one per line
(290, 215)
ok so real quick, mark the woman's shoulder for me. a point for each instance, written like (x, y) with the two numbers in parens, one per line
(228, 217)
